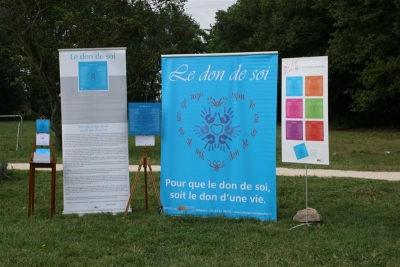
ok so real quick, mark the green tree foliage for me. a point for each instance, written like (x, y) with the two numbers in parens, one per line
(11, 91)
(146, 28)
(361, 38)
(365, 56)
(294, 28)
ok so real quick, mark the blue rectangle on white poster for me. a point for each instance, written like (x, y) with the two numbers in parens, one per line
(301, 151)
(144, 118)
(294, 86)
(93, 76)
(219, 135)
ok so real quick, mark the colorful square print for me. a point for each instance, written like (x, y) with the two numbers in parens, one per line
(314, 108)
(314, 85)
(314, 131)
(294, 130)
(294, 86)
(294, 108)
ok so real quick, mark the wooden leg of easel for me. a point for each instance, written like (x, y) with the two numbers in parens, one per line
(132, 189)
(145, 162)
(146, 198)
(53, 190)
(33, 192)
(161, 208)
(31, 174)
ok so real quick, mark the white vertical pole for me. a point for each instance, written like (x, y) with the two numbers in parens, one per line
(306, 197)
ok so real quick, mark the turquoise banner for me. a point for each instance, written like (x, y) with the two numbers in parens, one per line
(218, 136)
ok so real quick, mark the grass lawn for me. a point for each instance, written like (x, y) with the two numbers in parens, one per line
(360, 224)
(360, 227)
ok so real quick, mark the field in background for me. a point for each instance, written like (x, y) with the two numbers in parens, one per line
(360, 150)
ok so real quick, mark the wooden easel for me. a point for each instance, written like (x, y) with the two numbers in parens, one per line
(144, 162)
(32, 168)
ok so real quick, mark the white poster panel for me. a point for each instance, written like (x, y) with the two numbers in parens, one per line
(42, 139)
(94, 130)
(145, 140)
(305, 110)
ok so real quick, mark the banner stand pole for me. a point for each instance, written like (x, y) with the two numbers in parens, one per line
(306, 223)
(144, 162)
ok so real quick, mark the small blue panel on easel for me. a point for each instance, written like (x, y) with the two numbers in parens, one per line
(42, 151)
(42, 126)
(144, 118)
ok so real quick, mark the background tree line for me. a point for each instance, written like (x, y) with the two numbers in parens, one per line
(36, 29)
(360, 37)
